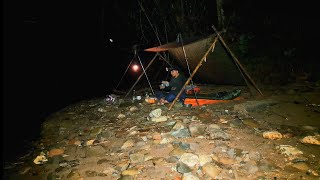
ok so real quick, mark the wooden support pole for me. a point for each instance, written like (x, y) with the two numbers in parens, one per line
(141, 75)
(236, 59)
(194, 71)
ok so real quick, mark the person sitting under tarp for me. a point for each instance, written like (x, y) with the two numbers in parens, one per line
(171, 89)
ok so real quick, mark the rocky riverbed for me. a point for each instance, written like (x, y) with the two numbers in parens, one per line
(271, 137)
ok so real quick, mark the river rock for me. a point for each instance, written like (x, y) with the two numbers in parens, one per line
(311, 140)
(211, 170)
(189, 159)
(272, 135)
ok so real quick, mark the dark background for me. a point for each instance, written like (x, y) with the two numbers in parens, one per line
(56, 53)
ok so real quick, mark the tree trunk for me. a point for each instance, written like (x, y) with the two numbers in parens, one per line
(220, 14)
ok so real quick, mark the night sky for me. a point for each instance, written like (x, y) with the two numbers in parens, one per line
(59, 52)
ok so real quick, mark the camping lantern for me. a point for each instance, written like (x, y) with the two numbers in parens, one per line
(135, 68)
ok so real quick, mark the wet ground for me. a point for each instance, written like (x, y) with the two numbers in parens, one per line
(275, 136)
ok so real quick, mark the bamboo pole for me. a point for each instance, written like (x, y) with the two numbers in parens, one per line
(194, 72)
(141, 75)
(236, 60)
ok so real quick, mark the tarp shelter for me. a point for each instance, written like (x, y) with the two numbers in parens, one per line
(210, 61)
(219, 68)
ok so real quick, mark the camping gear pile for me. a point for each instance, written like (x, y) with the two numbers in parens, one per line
(192, 89)
(221, 67)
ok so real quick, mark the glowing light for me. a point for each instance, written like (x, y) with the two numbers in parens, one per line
(135, 68)
(111, 40)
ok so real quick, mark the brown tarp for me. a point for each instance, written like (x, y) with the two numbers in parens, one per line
(219, 67)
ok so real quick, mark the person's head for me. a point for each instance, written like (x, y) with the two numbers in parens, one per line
(174, 71)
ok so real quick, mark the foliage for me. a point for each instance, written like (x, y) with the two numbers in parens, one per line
(158, 22)
(266, 36)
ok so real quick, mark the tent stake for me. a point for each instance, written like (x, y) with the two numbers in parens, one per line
(141, 75)
(236, 60)
(194, 72)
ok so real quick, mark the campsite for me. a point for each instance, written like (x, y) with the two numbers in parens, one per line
(81, 83)
(265, 132)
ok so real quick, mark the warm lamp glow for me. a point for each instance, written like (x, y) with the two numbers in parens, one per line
(135, 68)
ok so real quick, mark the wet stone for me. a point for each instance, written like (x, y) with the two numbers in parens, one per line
(59, 169)
(172, 159)
(136, 158)
(52, 176)
(71, 163)
(121, 166)
(183, 168)
(231, 153)
(155, 113)
(177, 152)
(251, 167)
(182, 145)
(128, 143)
(182, 133)
(55, 159)
(130, 172)
(204, 158)
(211, 170)
(94, 132)
(255, 156)
(126, 177)
(197, 129)
(74, 174)
(311, 140)
(189, 159)
(254, 106)
(236, 123)
(238, 152)
(265, 166)
(179, 125)
(95, 151)
(91, 173)
(250, 122)
(101, 161)
(159, 119)
(218, 134)
(272, 135)
(81, 152)
(159, 161)
(226, 161)
(301, 166)
(189, 176)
